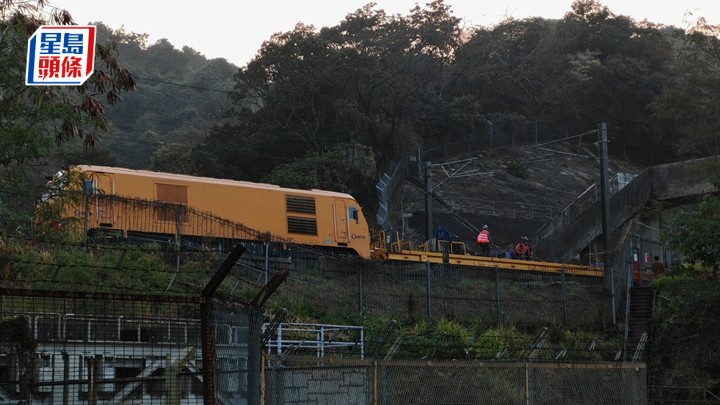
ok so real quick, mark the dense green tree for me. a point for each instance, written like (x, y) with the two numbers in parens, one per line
(89, 157)
(505, 65)
(36, 120)
(178, 91)
(347, 168)
(178, 156)
(373, 79)
(616, 68)
(511, 70)
(690, 104)
(685, 350)
(697, 234)
(591, 66)
(173, 158)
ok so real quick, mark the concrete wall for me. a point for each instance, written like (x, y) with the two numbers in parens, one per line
(320, 386)
(683, 179)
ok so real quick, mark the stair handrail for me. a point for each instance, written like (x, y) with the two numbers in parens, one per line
(565, 217)
(543, 231)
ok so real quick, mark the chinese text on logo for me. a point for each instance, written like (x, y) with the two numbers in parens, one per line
(60, 55)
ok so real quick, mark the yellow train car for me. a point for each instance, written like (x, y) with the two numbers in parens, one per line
(316, 218)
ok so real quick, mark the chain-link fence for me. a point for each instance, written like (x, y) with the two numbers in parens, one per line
(430, 291)
(486, 295)
(75, 348)
(498, 133)
(336, 381)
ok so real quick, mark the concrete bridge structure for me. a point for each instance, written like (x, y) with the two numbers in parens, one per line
(649, 194)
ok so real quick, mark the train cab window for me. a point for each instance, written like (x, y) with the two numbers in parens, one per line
(353, 214)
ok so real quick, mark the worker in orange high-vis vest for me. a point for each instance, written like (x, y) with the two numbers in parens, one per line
(484, 241)
(521, 250)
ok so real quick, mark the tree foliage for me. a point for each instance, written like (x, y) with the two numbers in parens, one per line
(35, 120)
(399, 83)
(690, 103)
(591, 66)
(686, 351)
(345, 168)
(365, 80)
(697, 234)
(16, 337)
(32, 116)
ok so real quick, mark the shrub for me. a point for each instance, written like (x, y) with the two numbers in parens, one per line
(517, 169)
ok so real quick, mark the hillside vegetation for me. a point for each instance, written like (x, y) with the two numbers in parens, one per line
(334, 107)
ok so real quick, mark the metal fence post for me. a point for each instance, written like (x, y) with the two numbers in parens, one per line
(427, 291)
(527, 384)
(563, 287)
(376, 394)
(172, 385)
(206, 325)
(361, 304)
(178, 245)
(254, 356)
(628, 284)
(497, 294)
(208, 353)
(92, 369)
(66, 376)
(267, 261)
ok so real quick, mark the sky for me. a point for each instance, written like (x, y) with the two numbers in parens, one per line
(235, 30)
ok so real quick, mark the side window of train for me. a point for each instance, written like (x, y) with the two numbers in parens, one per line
(353, 213)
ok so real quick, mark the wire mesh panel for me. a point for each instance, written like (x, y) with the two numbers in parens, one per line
(415, 291)
(69, 348)
(236, 353)
(302, 380)
(488, 296)
(608, 384)
(109, 350)
(448, 383)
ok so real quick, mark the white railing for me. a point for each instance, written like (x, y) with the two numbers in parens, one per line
(318, 338)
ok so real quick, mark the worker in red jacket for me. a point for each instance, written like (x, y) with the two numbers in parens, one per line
(484, 241)
(522, 249)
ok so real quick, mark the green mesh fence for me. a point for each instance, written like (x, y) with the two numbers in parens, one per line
(418, 291)
(310, 381)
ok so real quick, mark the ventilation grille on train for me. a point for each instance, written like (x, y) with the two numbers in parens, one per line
(305, 226)
(303, 205)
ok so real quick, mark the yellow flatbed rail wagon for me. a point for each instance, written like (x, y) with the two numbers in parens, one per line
(406, 252)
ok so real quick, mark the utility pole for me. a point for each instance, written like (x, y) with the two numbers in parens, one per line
(428, 201)
(605, 195)
(429, 188)
(88, 190)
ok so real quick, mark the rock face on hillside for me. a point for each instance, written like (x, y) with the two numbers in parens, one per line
(514, 191)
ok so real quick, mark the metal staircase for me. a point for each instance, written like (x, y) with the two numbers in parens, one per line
(642, 301)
